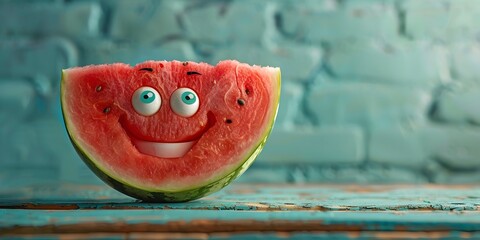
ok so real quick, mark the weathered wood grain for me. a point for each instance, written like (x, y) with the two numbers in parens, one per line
(260, 235)
(212, 221)
(353, 211)
(259, 198)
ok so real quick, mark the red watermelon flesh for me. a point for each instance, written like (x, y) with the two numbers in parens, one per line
(166, 155)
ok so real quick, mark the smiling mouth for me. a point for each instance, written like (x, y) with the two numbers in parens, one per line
(168, 149)
(163, 150)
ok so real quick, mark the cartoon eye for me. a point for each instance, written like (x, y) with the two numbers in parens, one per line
(146, 101)
(184, 102)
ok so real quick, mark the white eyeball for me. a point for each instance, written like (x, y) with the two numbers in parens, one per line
(184, 102)
(146, 101)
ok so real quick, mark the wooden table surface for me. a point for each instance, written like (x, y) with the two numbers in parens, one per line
(245, 212)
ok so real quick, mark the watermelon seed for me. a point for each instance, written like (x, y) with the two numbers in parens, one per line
(146, 69)
(193, 73)
(106, 110)
(241, 102)
(98, 88)
(248, 89)
(228, 121)
(185, 63)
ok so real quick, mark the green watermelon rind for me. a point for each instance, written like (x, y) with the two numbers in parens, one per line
(172, 196)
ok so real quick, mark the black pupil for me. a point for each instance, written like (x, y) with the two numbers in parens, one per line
(145, 96)
(187, 97)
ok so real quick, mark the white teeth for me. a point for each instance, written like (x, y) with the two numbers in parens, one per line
(163, 150)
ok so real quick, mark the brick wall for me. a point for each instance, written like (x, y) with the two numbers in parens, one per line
(373, 91)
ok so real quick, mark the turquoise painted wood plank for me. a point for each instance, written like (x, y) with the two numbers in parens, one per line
(58, 221)
(259, 197)
(340, 211)
(246, 236)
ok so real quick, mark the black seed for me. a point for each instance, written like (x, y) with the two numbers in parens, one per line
(228, 121)
(106, 110)
(193, 73)
(241, 102)
(98, 88)
(247, 91)
(146, 69)
(185, 63)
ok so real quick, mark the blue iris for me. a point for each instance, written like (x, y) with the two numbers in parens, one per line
(147, 96)
(189, 98)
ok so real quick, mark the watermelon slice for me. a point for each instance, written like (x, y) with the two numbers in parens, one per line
(169, 131)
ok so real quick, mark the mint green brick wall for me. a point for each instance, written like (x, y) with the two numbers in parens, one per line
(374, 91)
